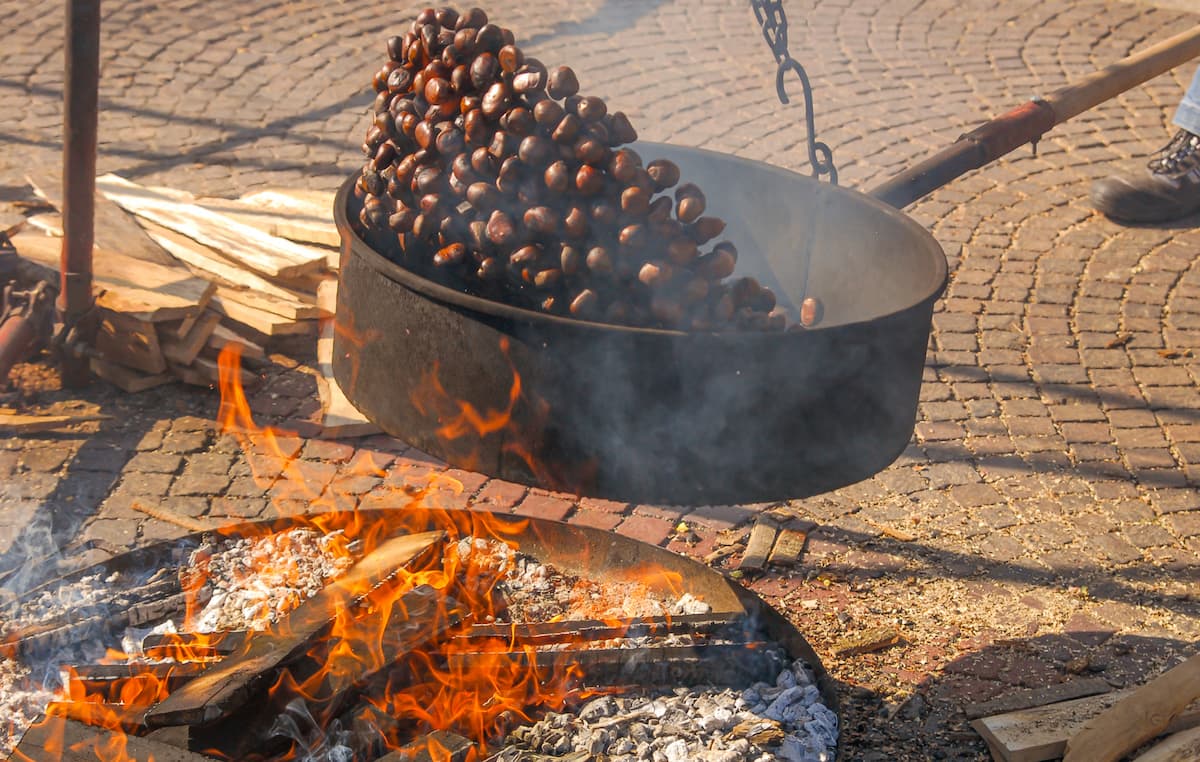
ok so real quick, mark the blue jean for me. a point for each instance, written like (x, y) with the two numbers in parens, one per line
(1187, 115)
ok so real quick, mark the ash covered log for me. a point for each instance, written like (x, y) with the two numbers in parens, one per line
(542, 633)
(737, 664)
(228, 686)
(135, 607)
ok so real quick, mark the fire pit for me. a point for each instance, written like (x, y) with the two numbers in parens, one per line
(392, 634)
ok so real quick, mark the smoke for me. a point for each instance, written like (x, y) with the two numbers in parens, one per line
(312, 743)
(658, 417)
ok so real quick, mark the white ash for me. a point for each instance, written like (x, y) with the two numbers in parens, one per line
(785, 721)
(22, 701)
(255, 581)
(78, 599)
(536, 592)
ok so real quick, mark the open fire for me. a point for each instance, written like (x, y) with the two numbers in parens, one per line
(416, 633)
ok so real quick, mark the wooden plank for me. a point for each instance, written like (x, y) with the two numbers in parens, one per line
(1137, 718)
(66, 740)
(146, 306)
(339, 417)
(291, 309)
(144, 289)
(1027, 699)
(1180, 747)
(114, 229)
(282, 214)
(762, 539)
(227, 686)
(265, 254)
(223, 337)
(128, 341)
(182, 351)
(1035, 735)
(188, 323)
(50, 223)
(209, 263)
(266, 323)
(128, 380)
(789, 547)
(11, 423)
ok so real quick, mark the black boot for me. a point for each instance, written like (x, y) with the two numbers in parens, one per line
(1168, 191)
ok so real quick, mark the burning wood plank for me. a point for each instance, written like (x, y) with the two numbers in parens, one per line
(194, 645)
(101, 676)
(70, 741)
(421, 615)
(543, 633)
(438, 746)
(736, 664)
(229, 685)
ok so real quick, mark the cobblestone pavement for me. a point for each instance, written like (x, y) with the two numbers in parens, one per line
(1046, 509)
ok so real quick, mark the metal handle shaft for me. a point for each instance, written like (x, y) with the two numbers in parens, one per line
(1028, 122)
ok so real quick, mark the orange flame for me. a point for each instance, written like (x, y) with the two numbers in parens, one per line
(520, 423)
(417, 674)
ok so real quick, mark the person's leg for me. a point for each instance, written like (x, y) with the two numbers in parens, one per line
(1187, 116)
(1171, 187)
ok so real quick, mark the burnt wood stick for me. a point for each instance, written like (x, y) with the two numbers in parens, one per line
(198, 645)
(450, 747)
(422, 615)
(723, 665)
(103, 676)
(227, 686)
(129, 719)
(542, 633)
(66, 740)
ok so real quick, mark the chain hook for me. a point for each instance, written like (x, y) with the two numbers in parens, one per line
(773, 20)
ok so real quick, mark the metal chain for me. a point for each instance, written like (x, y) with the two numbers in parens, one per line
(773, 19)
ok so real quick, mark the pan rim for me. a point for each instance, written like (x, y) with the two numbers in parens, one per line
(466, 300)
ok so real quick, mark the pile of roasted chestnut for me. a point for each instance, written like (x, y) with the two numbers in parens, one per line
(495, 174)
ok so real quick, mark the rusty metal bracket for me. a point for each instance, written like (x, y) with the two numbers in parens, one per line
(26, 317)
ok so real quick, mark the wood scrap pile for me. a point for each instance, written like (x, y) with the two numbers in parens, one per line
(1105, 727)
(177, 278)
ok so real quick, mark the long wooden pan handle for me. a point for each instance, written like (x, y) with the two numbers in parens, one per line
(1028, 122)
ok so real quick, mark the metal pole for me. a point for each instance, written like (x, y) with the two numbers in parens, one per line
(79, 173)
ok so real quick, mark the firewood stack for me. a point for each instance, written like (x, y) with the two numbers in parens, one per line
(178, 277)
